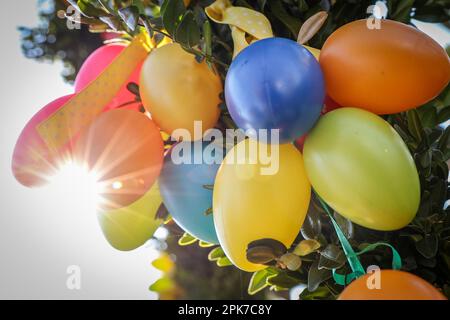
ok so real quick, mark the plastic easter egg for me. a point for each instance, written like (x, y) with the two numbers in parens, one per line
(259, 198)
(33, 162)
(177, 90)
(362, 168)
(183, 187)
(124, 149)
(392, 285)
(129, 227)
(275, 83)
(386, 70)
(94, 65)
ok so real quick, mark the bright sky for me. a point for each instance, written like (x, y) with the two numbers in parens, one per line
(41, 234)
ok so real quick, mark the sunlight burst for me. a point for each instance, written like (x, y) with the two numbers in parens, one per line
(77, 186)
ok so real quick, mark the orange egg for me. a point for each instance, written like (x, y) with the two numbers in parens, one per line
(177, 90)
(124, 149)
(386, 70)
(393, 285)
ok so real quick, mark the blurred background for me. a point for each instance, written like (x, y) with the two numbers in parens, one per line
(43, 231)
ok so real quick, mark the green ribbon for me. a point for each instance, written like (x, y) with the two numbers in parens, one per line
(352, 256)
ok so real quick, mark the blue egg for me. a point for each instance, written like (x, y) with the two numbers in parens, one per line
(275, 83)
(182, 187)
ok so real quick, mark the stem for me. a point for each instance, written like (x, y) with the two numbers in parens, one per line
(333, 292)
(127, 103)
(228, 122)
(210, 58)
(106, 7)
(149, 28)
(163, 33)
(223, 44)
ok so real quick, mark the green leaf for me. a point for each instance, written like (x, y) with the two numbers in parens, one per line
(444, 143)
(258, 281)
(403, 11)
(90, 9)
(130, 15)
(163, 263)
(219, 257)
(414, 124)
(111, 21)
(431, 13)
(302, 6)
(263, 251)
(291, 261)
(312, 226)
(434, 135)
(443, 115)
(428, 246)
(172, 12)
(316, 276)
(162, 285)
(216, 254)
(186, 239)
(321, 293)
(428, 117)
(140, 5)
(133, 88)
(279, 11)
(262, 4)
(204, 244)
(414, 237)
(224, 262)
(207, 36)
(188, 33)
(243, 3)
(345, 225)
(428, 263)
(285, 279)
(332, 257)
(306, 247)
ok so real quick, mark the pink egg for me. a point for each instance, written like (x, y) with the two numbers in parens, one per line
(96, 63)
(33, 162)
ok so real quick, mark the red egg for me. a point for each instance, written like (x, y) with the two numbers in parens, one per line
(33, 162)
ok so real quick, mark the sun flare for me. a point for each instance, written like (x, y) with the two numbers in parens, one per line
(77, 186)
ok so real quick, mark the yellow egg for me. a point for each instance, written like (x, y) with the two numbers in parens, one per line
(130, 227)
(177, 90)
(251, 202)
